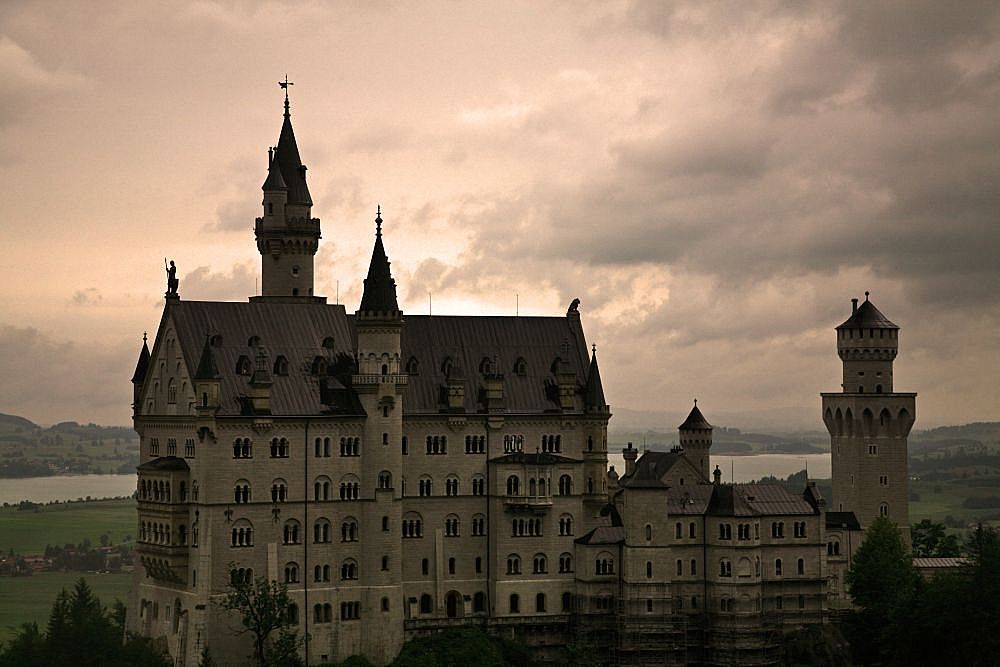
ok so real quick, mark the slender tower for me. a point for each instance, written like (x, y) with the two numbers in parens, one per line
(869, 422)
(287, 235)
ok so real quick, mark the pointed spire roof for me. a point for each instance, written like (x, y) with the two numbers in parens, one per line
(207, 368)
(142, 365)
(867, 315)
(593, 394)
(274, 179)
(380, 288)
(695, 420)
(286, 154)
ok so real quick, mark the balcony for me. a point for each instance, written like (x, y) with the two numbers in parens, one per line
(527, 503)
(373, 379)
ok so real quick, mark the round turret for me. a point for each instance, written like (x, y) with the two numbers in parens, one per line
(867, 343)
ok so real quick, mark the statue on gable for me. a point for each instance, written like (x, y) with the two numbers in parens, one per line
(172, 281)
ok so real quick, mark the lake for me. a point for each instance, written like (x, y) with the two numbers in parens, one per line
(65, 487)
(71, 487)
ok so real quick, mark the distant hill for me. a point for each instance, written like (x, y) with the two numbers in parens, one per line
(977, 436)
(30, 450)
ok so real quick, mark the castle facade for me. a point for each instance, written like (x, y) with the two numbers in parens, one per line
(403, 474)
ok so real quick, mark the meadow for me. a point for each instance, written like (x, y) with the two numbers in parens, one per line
(27, 531)
(26, 599)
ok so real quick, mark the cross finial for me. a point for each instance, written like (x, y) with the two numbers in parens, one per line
(593, 348)
(378, 220)
(284, 85)
(144, 337)
(866, 294)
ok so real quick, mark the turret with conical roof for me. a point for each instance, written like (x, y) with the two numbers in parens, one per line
(380, 289)
(139, 376)
(207, 381)
(593, 393)
(696, 439)
(287, 235)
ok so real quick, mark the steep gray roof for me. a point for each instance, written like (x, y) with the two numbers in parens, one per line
(142, 365)
(466, 341)
(695, 421)
(603, 535)
(650, 470)
(297, 332)
(839, 520)
(867, 316)
(164, 463)
(293, 173)
(380, 289)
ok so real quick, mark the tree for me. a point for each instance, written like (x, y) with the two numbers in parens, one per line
(930, 540)
(264, 607)
(883, 583)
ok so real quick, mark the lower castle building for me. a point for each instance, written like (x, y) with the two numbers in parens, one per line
(410, 473)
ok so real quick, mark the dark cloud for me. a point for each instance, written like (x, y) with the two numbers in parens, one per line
(67, 380)
(202, 284)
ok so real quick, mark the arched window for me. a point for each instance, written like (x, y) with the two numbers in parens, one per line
(513, 485)
(800, 566)
(424, 485)
(479, 485)
(321, 531)
(451, 526)
(649, 532)
(242, 448)
(451, 486)
(520, 367)
(291, 573)
(350, 487)
(777, 567)
(565, 485)
(385, 480)
(349, 569)
(883, 509)
(539, 564)
(279, 491)
(566, 524)
(513, 564)
(241, 492)
(243, 365)
(290, 532)
(478, 524)
(604, 564)
(412, 366)
(349, 530)
(242, 533)
(565, 562)
(412, 525)
(725, 568)
(322, 488)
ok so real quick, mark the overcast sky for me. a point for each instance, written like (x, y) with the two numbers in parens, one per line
(713, 181)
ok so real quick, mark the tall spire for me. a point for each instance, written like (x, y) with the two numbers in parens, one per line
(380, 288)
(274, 179)
(594, 392)
(287, 156)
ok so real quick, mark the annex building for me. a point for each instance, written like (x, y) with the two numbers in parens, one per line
(406, 473)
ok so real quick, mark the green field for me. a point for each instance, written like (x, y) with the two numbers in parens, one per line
(28, 531)
(25, 599)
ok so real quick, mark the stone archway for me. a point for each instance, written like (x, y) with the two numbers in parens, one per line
(454, 606)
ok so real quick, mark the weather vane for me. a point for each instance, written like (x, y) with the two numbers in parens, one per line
(284, 86)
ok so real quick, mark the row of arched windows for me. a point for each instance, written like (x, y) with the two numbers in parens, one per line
(437, 444)
(539, 563)
(844, 423)
(475, 444)
(552, 443)
(156, 490)
(538, 487)
(514, 603)
(279, 448)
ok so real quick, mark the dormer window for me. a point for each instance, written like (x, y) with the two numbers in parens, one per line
(216, 341)
(485, 366)
(328, 343)
(253, 341)
(243, 365)
(446, 366)
(520, 367)
(413, 366)
(280, 365)
(319, 366)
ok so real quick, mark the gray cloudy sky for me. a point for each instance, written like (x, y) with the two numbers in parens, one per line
(714, 182)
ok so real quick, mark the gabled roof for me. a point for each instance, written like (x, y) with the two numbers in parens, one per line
(695, 421)
(867, 316)
(653, 467)
(142, 365)
(689, 500)
(380, 289)
(603, 535)
(841, 520)
(164, 463)
(771, 499)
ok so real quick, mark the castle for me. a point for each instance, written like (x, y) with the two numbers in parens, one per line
(410, 473)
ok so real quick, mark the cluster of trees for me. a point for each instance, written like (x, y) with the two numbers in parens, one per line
(904, 619)
(81, 631)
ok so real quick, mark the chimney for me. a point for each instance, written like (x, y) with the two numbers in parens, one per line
(630, 454)
(854, 306)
